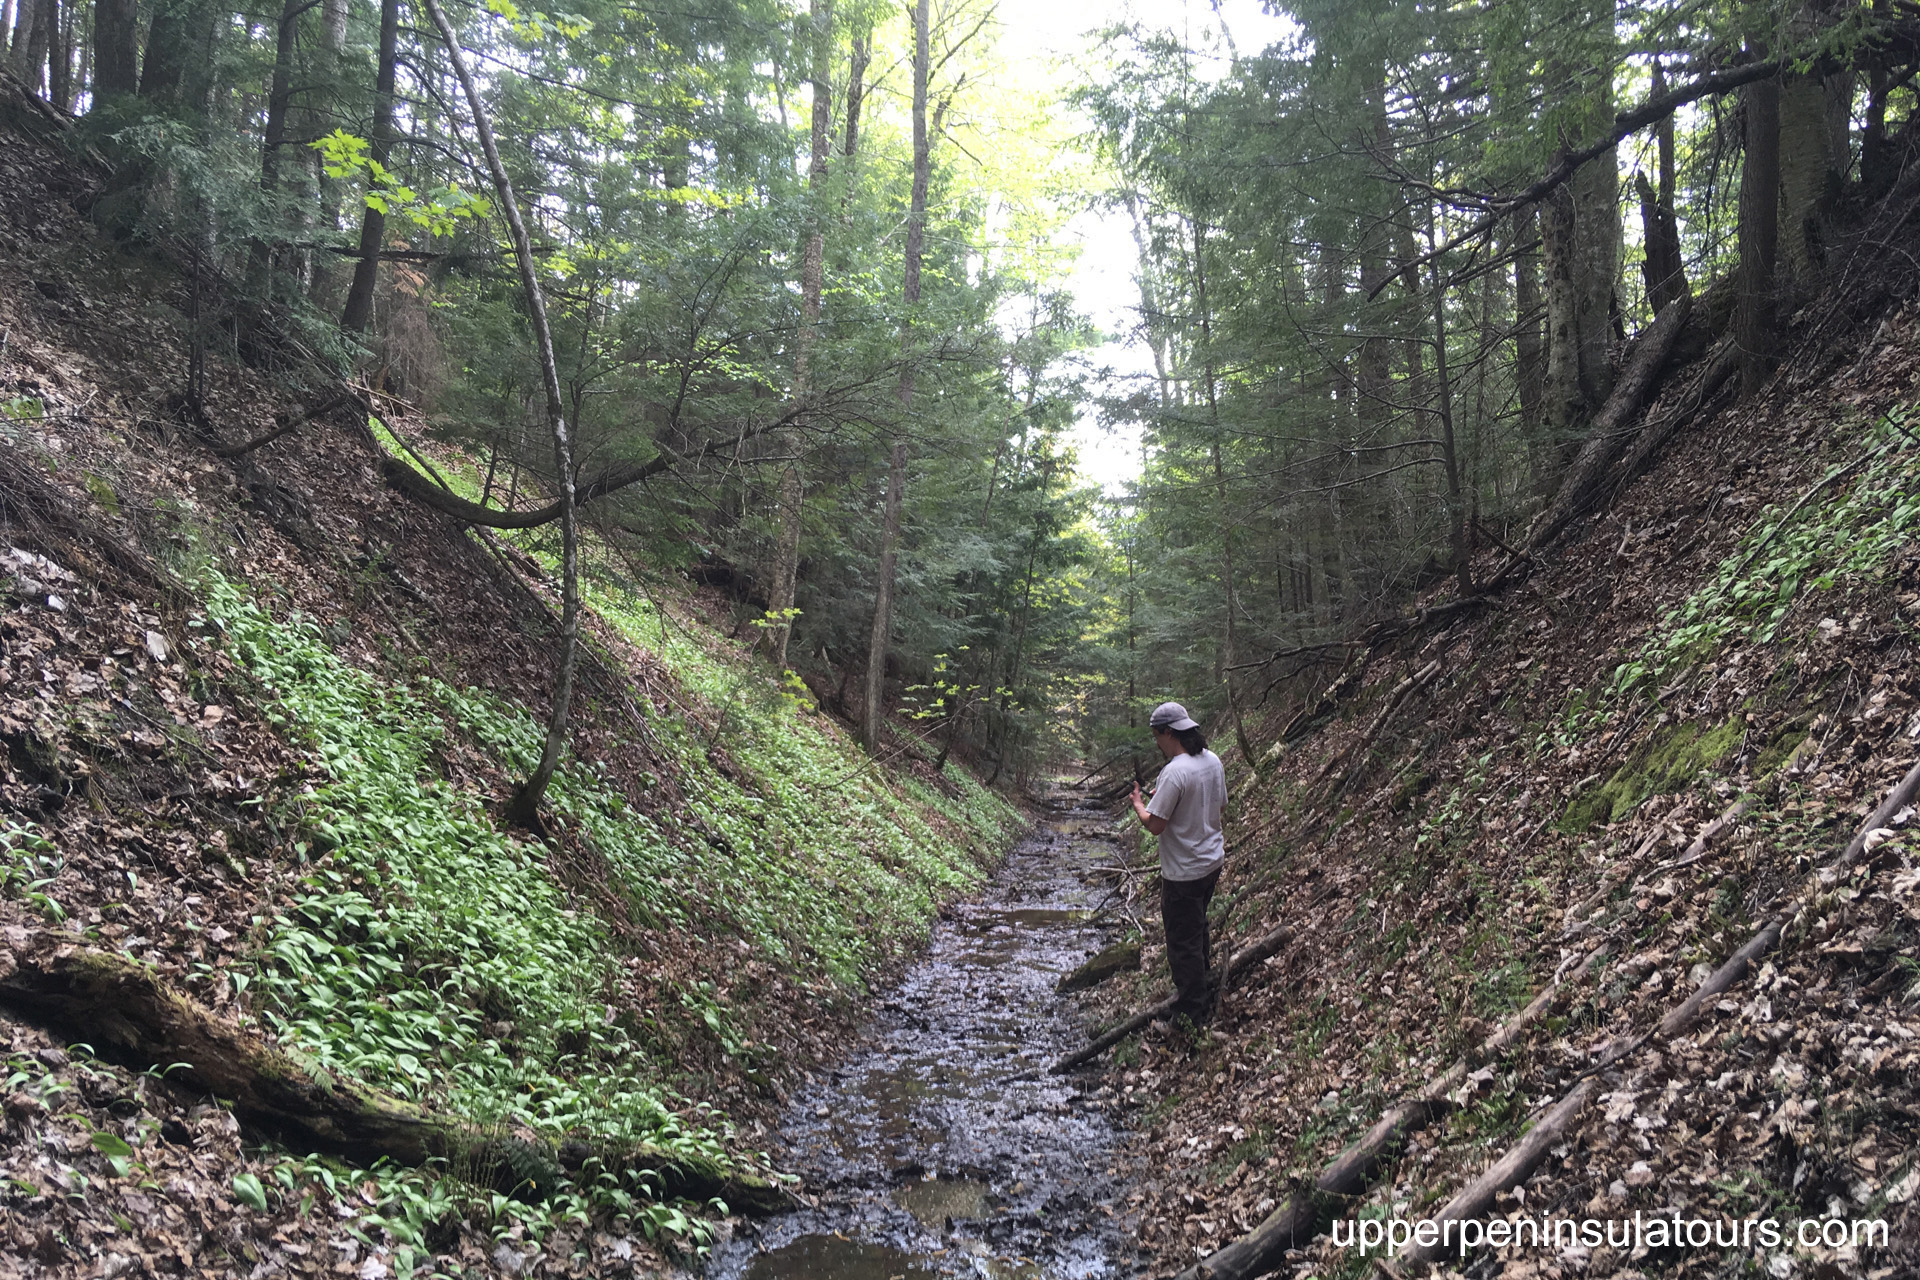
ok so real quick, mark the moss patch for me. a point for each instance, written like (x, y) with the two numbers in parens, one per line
(1780, 748)
(1673, 758)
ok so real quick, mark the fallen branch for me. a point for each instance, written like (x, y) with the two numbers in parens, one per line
(1401, 692)
(1655, 432)
(1897, 799)
(1519, 1161)
(285, 427)
(1247, 957)
(1307, 1211)
(124, 1010)
(411, 482)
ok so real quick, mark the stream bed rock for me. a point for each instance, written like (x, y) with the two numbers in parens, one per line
(923, 1159)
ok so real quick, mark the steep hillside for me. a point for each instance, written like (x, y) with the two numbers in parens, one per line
(260, 715)
(1597, 786)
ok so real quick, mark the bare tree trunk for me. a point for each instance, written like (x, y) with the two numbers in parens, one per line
(318, 267)
(1580, 234)
(1758, 233)
(60, 54)
(115, 47)
(1225, 514)
(873, 711)
(524, 806)
(177, 73)
(373, 223)
(1813, 160)
(1456, 507)
(28, 57)
(792, 492)
(1664, 269)
(1529, 347)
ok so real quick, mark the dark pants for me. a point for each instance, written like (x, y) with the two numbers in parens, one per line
(1183, 911)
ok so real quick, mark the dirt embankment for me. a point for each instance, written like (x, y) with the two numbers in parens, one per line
(1532, 801)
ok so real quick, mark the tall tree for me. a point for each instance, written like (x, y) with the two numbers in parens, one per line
(789, 512)
(116, 48)
(358, 309)
(873, 709)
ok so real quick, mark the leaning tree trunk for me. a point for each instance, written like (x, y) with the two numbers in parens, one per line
(1608, 438)
(873, 711)
(115, 48)
(373, 223)
(523, 807)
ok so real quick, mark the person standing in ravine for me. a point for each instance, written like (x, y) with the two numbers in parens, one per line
(1184, 815)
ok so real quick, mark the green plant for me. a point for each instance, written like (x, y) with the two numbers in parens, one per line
(29, 863)
(1839, 538)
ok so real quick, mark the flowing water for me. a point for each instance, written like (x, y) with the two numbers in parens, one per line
(924, 1160)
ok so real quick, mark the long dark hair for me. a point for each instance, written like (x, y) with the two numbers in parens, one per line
(1192, 739)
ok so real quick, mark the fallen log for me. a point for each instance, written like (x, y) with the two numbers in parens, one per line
(1303, 1214)
(1901, 796)
(1607, 437)
(1245, 958)
(1655, 433)
(1519, 1161)
(126, 1012)
(287, 425)
(1307, 1211)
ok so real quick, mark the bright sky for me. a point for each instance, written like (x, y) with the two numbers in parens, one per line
(1048, 37)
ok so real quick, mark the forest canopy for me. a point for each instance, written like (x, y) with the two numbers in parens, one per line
(790, 313)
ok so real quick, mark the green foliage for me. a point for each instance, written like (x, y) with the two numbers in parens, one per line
(1842, 536)
(437, 211)
(29, 862)
(431, 954)
(1675, 756)
(418, 921)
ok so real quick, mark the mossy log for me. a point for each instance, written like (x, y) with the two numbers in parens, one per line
(125, 1011)
(1244, 959)
(1121, 957)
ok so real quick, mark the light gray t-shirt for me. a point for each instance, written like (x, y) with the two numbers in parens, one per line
(1190, 794)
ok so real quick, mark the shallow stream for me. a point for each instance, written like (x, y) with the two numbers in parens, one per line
(923, 1159)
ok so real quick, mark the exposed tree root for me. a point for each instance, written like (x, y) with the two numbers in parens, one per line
(125, 1011)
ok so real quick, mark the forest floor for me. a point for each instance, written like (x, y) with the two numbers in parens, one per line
(1740, 624)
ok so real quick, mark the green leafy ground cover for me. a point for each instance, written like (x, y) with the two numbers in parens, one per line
(420, 928)
(1842, 535)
